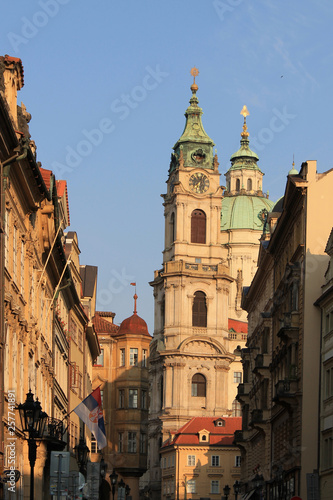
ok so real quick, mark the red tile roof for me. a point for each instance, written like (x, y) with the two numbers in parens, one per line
(46, 174)
(61, 189)
(103, 326)
(9, 59)
(219, 435)
(237, 326)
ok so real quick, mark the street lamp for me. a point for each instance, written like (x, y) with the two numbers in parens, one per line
(33, 421)
(81, 454)
(226, 491)
(127, 491)
(237, 487)
(103, 466)
(258, 482)
(113, 479)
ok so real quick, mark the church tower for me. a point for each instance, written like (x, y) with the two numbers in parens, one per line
(244, 212)
(189, 357)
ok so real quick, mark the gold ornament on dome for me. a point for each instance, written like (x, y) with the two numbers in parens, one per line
(194, 72)
(245, 113)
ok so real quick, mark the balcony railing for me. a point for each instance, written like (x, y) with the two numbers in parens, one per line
(54, 429)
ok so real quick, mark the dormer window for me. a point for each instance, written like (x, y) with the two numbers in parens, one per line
(203, 436)
(219, 422)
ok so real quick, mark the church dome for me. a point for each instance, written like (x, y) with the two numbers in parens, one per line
(244, 212)
(277, 207)
(134, 324)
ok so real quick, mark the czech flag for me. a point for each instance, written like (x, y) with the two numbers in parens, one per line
(91, 413)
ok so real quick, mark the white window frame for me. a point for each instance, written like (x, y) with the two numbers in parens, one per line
(134, 352)
(191, 461)
(215, 461)
(215, 486)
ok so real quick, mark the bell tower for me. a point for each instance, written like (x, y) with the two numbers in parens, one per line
(189, 355)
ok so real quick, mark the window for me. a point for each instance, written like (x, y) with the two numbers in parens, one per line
(73, 330)
(144, 357)
(122, 357)
(143, 443)
(120, 442)
(133, 357)
(133, 398)
(132, 442)
(143, 399)
(215, 486)
(15, 253)
(93, 443)
(172, 227)
(198, 226)
(191, 460)
(100, 359)
(121, 400)
(199, 310)
(22, 267)
(327, 452)
(236, 409)
(190, 486)
(215, 460)
(329, 381)
(6, 237)
(238, 461)
(198, 385)
(237, 184)
(237, 377)
(249, 184)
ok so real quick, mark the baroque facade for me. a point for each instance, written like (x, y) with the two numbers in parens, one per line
(122, 373)
(39, 299)
(281, 363)
(211, 244)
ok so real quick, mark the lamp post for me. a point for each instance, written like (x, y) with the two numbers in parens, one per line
(127, 491)
(113, 480)
(33, 421)
(259, 483)
(103, 466)
(237, 487)
(81, 454)
(226, 491)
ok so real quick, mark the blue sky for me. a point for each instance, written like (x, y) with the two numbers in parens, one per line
(108, 82)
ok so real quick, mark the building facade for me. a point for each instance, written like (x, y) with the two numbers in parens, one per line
(209, 254)
(38, 297)
(200, 459)
(280, 392)
(122, 373)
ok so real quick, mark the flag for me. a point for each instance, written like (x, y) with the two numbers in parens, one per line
(91, 413)
(133, 284)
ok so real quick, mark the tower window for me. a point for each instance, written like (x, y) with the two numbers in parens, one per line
(237, 184)
(199, 310)
(249, 184)
(198, 385)
(198, 226)
(172, 227)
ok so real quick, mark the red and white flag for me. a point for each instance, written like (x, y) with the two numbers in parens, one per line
(90, 412)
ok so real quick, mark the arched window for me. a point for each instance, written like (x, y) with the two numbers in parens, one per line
(237, 185)
(236, 409)
(163, 312)
(172, 227)
(198, 226)
(249, 184)
(198, 386)
(199, 310)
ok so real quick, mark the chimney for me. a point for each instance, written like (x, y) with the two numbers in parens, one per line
(11, 80)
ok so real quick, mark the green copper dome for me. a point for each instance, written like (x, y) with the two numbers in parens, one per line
(194, 147)
(244, 212)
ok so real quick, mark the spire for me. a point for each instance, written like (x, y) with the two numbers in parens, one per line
(293, 171)
(194, 131)
(135, 297)
(244, 157)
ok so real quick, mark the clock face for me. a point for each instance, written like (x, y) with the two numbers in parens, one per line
(199, 183)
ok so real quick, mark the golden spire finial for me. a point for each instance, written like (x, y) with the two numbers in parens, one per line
(194, 72)
(245, 113)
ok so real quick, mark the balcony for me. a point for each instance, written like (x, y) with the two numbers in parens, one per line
(286, 392)
(243, 392)
(259, 418)
(261, 364)
(289, 327)
(53, 434)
